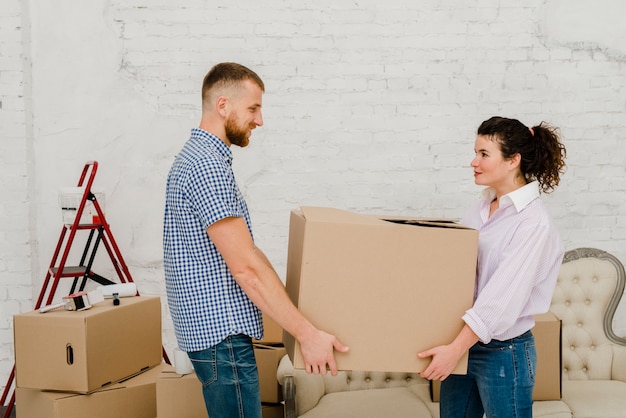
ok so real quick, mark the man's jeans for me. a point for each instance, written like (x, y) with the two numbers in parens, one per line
(229, 377)
(499, 381)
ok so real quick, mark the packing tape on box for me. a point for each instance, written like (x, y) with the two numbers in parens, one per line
(182, 364)
(79, 301)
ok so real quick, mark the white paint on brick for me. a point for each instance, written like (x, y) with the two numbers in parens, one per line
(369, 107)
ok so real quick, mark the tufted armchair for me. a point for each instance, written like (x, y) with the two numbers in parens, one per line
(589, 288)
(353, 394)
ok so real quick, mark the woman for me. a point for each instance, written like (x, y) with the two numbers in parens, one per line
(519, 256)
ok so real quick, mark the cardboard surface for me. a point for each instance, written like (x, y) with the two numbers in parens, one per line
(547, 333)
(133, 398)
(179, 395)
(267, 359)
(272, 332)
(386, 287)
(87, 350)
(272, 410)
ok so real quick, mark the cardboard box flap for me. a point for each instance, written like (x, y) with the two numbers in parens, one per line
(332, 215)
(427, 222)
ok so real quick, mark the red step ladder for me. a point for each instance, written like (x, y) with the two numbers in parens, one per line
(99, 233)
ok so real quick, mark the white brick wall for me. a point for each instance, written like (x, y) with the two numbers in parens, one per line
(17, 245)
(370, 106)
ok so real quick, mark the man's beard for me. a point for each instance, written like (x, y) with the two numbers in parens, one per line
(236, 134)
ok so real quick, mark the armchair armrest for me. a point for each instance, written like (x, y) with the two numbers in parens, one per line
(618, 371)
(310, 388)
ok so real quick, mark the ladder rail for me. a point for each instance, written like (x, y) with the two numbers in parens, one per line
(86, 179)
(112, 248)
(83, 257)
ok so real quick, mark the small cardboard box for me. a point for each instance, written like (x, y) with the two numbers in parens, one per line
(386, 287)
(272, 410)
(272, 332)
(267, 359)
(84, 351)
(133, 398)
(179, 395)
(547, 333)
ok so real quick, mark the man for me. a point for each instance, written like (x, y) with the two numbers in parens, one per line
(217, 280)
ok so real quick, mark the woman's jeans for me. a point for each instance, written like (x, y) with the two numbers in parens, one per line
(499, 381)
(229, 377)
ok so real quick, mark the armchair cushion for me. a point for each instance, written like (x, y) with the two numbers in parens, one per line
(595, 399)
(398, 402)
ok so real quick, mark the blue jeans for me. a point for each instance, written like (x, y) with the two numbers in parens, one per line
(499, 381)
(229, 377)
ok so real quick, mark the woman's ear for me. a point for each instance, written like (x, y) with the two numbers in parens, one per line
(515, 160)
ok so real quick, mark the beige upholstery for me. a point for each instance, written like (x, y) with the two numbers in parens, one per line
(355, 393)
(590, 285)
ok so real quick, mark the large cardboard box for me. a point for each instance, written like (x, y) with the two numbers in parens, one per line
(84, 351)
(267, 359)
(387, 287)
(133, 398)
(547, 333)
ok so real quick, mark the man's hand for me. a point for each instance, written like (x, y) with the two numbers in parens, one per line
(317, 348)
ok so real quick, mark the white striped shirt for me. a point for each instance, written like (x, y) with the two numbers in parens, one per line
(519, 257)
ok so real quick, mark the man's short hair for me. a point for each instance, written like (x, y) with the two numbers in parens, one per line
(226, 75)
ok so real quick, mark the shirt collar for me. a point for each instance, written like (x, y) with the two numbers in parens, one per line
(217, 145)
(520, 198)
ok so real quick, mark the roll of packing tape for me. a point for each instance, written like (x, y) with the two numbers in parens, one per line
(122, 290)
(182, 364)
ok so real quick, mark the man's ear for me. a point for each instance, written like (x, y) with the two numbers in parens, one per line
(221, 105)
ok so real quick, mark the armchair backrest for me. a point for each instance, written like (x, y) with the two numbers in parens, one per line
(362, 380)
(589, 288)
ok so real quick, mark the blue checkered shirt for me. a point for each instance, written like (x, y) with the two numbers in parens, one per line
(205, 301)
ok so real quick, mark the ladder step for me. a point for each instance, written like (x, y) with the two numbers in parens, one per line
(83, 226)
(69, 271)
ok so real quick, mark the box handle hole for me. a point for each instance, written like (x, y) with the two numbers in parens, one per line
(69, 353)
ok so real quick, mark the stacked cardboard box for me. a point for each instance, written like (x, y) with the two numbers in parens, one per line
(99, 362)
(268, 352)
(181, 395)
